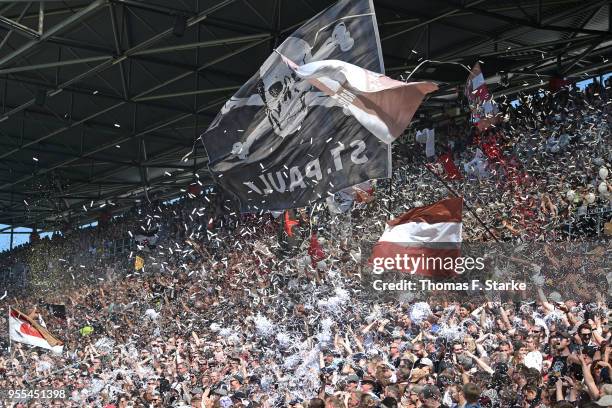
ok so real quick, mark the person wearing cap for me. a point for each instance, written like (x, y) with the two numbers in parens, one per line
(559, 345)
(425, 363)
(352, 382)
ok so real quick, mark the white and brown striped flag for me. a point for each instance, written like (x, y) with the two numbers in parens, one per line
(429, 236)
(382, 105)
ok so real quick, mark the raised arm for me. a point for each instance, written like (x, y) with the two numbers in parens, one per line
(588, 379)
(480, 363)
(544, 302)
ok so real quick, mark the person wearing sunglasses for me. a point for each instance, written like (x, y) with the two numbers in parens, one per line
(584, 335)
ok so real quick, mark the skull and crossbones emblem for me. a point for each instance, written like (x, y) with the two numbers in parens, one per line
(285, 97)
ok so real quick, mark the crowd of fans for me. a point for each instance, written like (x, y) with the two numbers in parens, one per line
(227, 313)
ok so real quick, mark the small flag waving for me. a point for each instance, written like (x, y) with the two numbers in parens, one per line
(484, 111)
(315, 250)
(289, 224)
(451, 171)
(424, 241)
(138, 263)
(290, 233)
(23, 329)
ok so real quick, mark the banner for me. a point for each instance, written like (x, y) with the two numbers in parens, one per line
(281, 143)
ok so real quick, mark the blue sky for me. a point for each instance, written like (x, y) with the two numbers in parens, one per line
(5, 239)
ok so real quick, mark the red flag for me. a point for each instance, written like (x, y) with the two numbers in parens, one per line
(289, 224)
(315, 250)
(556, 83)
(452, 172)
(491, 149)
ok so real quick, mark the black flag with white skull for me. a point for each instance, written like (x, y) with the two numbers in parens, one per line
(281, 143)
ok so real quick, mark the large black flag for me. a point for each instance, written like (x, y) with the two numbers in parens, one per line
(280, 143)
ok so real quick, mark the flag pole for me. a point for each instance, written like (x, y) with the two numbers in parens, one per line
(390, 213)
(470, 209)
(9, 328)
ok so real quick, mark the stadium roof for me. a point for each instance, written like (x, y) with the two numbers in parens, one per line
(101, 100)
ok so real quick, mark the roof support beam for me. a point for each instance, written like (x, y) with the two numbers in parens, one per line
(18, 27)
(509, 32)
(504, 8)
(188, 93)
(421, 17)
(56, 64)
(431, 20)
(580, 57)
(203, 67)
(582, 40)
(141, 46)
(124, 84)
(8, 35)
(88, 92)
(98, 149)
(206, 44)
(528, 23)
(34, 116)
(41, 17)
(93, 7)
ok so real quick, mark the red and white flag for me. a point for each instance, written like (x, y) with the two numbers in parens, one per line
(23, 329)
(382, 105)
(424, 241)
(484, 111)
